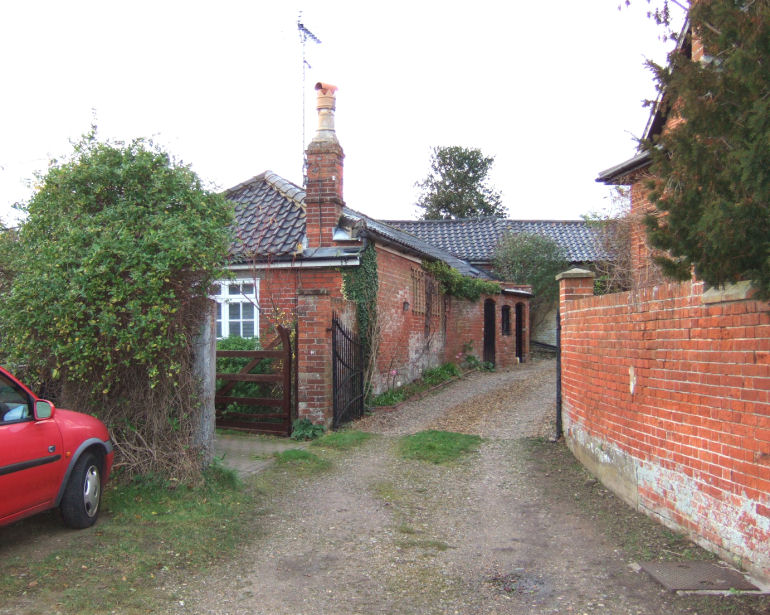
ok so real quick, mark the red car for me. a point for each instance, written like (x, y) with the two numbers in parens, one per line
(49, 457)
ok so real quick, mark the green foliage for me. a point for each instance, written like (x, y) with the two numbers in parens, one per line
(233, 365)
(456, 186)
(360, 284)
(430, 377)
(527, 258)
(305, 429)
(471, 361)
(302, 461)
(343, 440)
(106, 284)
(392, 397)
(438, 446)
(436, 375)
(150, 527)
(712, 171)
(458, 285)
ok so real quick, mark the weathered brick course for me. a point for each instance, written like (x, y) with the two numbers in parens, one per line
(676, 391)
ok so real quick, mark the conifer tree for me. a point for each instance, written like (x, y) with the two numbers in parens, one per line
(457, 186)
(711, 170)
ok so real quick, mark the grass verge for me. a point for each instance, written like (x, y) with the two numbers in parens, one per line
(343, 440)
(148, 529)
(304, 462)
(438, 446)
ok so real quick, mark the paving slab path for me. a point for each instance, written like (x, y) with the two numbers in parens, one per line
(517, 527)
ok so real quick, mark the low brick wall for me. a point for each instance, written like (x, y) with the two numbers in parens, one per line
(666, 398)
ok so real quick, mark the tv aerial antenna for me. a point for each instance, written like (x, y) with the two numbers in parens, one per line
(305, 35)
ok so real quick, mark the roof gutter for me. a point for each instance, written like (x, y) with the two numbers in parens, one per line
(614, 175)
(352, 261)
(516, 293)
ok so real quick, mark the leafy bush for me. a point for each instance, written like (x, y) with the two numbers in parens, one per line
(436, 375)
(430, 377)
(106, 283)
(527, 258)
(392, 397)
(305, 429)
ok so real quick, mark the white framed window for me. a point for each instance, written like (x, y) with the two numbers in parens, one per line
(237, 313)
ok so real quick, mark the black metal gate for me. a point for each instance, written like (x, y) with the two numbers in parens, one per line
(348, 373)
(489, 331)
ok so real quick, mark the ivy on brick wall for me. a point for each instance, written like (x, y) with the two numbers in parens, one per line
(360, 285)
(458, 285)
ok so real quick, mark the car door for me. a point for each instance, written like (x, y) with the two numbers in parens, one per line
(31, 463)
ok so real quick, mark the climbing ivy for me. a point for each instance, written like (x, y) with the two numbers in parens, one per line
(458, 285)
(360, 284)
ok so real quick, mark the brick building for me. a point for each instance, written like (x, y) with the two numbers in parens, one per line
(666, 392)
(296, 252)
(475, 240)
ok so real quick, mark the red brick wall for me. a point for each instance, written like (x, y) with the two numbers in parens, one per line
(310, 296)
(465, 322)
(418, 333)
(410, 339)
(666, 397)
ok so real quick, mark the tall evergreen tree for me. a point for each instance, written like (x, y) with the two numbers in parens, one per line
(457, 186)
(711, 171)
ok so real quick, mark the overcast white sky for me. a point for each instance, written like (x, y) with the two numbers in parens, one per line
(551, 89)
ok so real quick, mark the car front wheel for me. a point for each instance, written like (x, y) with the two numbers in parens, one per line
(80, 504)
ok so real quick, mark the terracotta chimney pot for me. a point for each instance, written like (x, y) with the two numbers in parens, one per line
(326, 105)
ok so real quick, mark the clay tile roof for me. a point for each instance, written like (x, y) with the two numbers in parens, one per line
(578, 238)
(414, 243)
(270, 223)
(475, 239)
(269, 217)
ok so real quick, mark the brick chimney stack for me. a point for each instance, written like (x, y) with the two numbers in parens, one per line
(323, 200)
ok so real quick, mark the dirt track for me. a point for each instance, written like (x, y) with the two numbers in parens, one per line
(516, 528)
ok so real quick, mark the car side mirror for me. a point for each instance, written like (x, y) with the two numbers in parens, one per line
(43, 409)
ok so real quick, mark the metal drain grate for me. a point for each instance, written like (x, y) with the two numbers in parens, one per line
(697, 576)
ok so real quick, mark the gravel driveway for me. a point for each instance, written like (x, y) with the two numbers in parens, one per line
(516, 528)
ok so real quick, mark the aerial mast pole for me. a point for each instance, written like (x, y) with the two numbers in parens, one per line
(304, 36)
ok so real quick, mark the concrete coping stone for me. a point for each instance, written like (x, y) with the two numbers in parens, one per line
(575, 272)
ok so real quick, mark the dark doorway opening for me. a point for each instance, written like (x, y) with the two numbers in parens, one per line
(489, 331)
(520, 332)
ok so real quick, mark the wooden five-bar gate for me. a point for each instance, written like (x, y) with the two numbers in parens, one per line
(269, 411)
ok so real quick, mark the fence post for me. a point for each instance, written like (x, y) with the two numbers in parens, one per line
(286, 364)
(204, 374)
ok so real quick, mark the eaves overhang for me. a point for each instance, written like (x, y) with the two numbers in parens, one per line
(515, 292)
(617, 174)
(310, 259)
